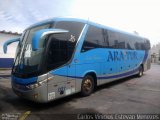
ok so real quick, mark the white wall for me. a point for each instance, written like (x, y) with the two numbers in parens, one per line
(11, 48)
(155, 52)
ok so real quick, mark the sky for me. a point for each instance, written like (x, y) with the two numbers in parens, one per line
(141, 16)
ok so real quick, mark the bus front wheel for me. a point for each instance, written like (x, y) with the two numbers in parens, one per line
(140, 71)
(87, 86)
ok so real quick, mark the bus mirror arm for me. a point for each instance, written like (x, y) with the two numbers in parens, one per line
(39, 35)
(8, 42)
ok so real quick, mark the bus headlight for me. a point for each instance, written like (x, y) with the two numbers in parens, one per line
(42, 82)
(38, 84)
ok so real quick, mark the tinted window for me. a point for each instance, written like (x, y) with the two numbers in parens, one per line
(112, 37)
(143, 47)
(105, 34)
(138, 44)
(61, 46)
(28, 62)
(116, 40)
(94, 39)
(120, 43)
(147, 45)
(130, 42)
(74, 28)
(57, 50)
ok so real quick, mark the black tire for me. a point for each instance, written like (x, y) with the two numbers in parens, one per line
(87, 86)
(140, 71)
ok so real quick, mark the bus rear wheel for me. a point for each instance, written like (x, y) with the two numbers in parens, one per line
(87, 86)
(140, 71)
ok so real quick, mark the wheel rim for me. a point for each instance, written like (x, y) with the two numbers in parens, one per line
(87, 86)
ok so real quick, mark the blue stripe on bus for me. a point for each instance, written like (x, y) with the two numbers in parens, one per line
(107, 77)
(120, 75)
(24, 81)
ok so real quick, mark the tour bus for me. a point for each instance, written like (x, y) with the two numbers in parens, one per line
(63, 56)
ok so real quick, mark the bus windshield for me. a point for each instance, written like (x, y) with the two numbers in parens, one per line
(28, 61)
(53, 52)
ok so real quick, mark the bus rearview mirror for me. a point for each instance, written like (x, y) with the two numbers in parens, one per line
(39, 35)
(8, 42)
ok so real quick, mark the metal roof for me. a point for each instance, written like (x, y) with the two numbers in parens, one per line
(10, 32)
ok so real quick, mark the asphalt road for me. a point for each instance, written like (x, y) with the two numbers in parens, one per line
(131, 95)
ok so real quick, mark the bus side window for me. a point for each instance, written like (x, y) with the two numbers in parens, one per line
(57, 50)
(130, 41)
(147, 45)
(94, 39)
(75, 29)
(137, 44)
(105, 35)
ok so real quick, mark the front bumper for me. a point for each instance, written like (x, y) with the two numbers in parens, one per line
(38, 94)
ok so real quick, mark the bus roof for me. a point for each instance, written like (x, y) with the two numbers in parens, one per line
(56, 19)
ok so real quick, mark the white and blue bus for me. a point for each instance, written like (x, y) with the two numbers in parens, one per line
(63, 56)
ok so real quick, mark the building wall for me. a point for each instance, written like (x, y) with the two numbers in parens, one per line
(6, 60)
(155, 53)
